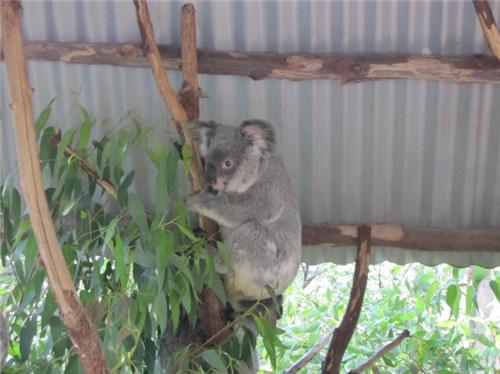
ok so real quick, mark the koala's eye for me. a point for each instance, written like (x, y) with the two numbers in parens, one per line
(228, 164)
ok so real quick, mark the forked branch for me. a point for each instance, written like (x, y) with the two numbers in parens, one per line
(386, 348)
(342, 335)
(309, 355)
(213, 314)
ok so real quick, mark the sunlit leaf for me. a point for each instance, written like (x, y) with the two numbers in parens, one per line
(431, 292)
(469, 300)
(453, 299)
(495, 287)
(478, 274)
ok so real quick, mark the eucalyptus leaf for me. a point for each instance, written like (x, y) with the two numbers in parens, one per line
(42, 119)
(85, 128)
(161, 310)
(66, 140)
(121, 267)
(495, 287)
(213, 358)
(28, 332)
(478, 274)
(136, 210)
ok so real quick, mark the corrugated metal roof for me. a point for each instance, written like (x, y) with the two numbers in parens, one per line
(416, 152)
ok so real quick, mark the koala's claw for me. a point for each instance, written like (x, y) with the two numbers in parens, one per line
(212, 190)
(199, 232)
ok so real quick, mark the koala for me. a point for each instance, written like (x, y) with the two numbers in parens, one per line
(249, 194)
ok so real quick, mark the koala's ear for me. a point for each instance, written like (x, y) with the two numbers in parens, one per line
(202, 133)
(261, 133)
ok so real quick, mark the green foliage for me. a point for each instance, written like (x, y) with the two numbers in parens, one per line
(444, 308)
(138, 270)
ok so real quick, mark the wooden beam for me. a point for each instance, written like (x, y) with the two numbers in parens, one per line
(402, 236)
(346, 68)
(80, 330)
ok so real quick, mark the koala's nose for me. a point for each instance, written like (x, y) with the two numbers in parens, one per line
(210, 173)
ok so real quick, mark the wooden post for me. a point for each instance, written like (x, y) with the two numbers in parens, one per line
(81, 332)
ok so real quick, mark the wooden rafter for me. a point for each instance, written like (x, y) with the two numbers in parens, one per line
(346, 68)
(403, 236)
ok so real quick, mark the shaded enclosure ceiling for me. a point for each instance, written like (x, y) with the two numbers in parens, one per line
(415, 152)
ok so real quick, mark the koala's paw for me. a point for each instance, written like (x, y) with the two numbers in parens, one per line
(192, 202)
(199, 232)
(212, 191)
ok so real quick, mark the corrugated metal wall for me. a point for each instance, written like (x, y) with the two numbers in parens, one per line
(416, 152)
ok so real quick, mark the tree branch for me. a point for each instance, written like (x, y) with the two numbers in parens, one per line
(212, 311)
(488, 25)
(212, 314)
(386, 348)
(168, 94)
(189, 93)
(402, 236)
(342, 335)
(309, 355)
(86, 167)
(80, 330)
(346, 68)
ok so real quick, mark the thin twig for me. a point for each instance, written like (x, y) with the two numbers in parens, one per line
(386, 348)
(87, 167)
(309, 355)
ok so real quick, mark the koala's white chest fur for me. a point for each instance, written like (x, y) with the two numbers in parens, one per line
(246, 282)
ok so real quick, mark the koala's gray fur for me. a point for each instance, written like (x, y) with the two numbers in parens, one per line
(250, 196)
